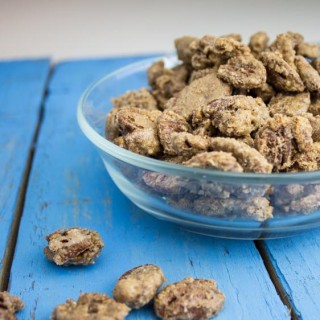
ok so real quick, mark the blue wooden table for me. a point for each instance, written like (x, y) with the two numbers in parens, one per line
(51, 177)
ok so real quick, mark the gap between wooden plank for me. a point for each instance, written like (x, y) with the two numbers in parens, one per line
(14, 230)
(274, 278)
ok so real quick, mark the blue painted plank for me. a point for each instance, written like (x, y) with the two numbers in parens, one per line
(22, 85)
(297, 262)
(70, 187)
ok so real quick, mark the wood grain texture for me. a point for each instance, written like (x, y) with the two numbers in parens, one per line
(69, 186)
(297, 264)
(22, 86)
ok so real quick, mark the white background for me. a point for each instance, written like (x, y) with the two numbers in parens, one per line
(71, 29)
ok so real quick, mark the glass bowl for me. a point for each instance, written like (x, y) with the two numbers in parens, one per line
(210, 202)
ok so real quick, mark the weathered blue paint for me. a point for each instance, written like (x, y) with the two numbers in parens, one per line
(297, 263)
(22, 85)
(70, 187)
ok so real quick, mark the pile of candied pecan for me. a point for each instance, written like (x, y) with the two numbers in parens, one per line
(228, 106)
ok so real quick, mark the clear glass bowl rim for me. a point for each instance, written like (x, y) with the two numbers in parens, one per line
(170, 168)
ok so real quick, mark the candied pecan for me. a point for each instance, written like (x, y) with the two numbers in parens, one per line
(280, 74)
(73, 246)
(258, 42)
(314, 107)
(302, 131)
(281, 138)
(284, 45)
(249, 158)
(243, 72)
(306, 161)
(184, 52)
(187, 144)
(226, 47)
(166, 87)
(296, 37)
(168, 123)
(129, 119)
(290, 104)
(257, 208)
(202, 126)
(305, 204)
(308, 74)
(138, 286)
(203, 56)
(237, 115)
(308, 50)
(315, 124)
(156, 70)
(138, 99)
(111, 129)
(143, 141)
(166, 83)
(216, 160)
(9, 305)
(265, 92)
(284, 194)
(91, 306)
(198, 94)
(316, 64)
(163, 183)
(189, 299)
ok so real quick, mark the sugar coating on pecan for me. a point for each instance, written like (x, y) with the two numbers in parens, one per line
(189, 299)
(257, 208)
(9, 305)
(138, 286)
(249, 158)
(244, 72)
(215, 160)
(198, 94)
(258, 42)
(280, 74)
(91, 306)
(282, 137)
(308, 50)
(309, 76)
(237, 115)
(73, 246)
(290, 104)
